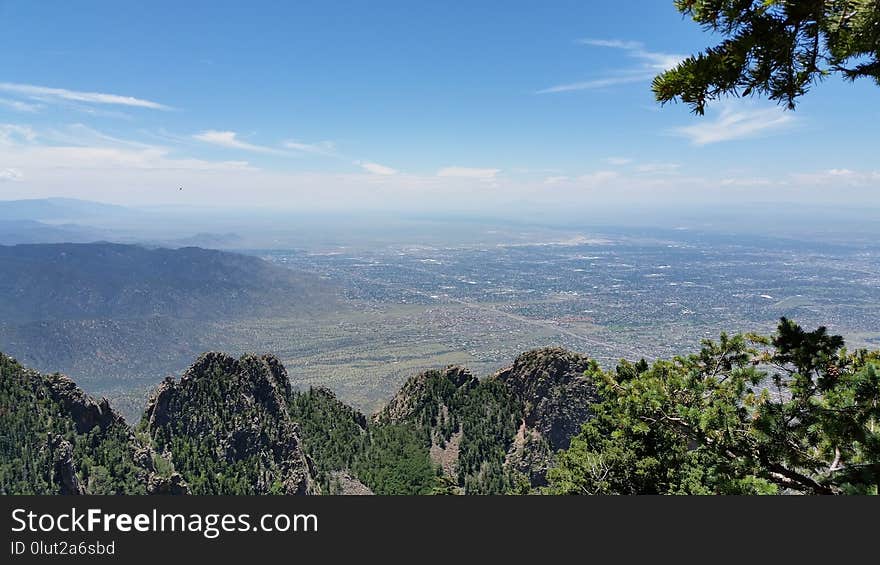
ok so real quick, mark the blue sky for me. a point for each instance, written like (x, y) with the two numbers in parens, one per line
(411, 104)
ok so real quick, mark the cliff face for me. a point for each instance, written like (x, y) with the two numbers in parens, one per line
(555, 397)
(554, 392)
(63, 441)
(227, 428)
(495, 434)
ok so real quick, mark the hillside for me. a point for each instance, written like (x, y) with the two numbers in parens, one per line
(44, 282)
(552, 422)
(226, 427)
(58, 440)
(106, 312)
(235, 426)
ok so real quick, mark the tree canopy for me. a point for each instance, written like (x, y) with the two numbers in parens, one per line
(774, 48)
(795, 412)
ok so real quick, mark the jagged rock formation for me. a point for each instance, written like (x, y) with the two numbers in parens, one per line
(63, 471)
(426, 399)
(86, 413)
(234, 426)
(227, 428)
(500, 433)
(59, 440)
(554, 394)
(555, 397)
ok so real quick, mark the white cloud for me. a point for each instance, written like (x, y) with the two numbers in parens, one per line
(14, 133)
(9, 174)
(20, 106)
(291, 148)
(747, 181)
(838, 177)
(558, 179)
(653, 60)
(320, 148)
(736, 121)
(618, 161)
(596, 83)
(230, 140)
(376, 168)
(45, 93)
(650, 63)
(83, 135)
(597, 178)
(468, 172)
(658, 168)
(613, 43)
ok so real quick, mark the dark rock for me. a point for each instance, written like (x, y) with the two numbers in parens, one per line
(170, 485)
(63, 470)
(85, 411)
(240, 406)
(555, 394)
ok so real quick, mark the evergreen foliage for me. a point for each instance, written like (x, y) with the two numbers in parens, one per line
(35, 426)
(774, 48)
(791, 413)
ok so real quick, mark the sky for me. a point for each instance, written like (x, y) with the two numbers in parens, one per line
(406, 105)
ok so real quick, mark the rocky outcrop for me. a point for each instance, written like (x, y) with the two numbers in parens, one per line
(86, 412)
(61, 440)
(343, 483)
(63, 470)
(430, 393)
(555, 394)
(229, 417)
(167, 485)
(556, 398)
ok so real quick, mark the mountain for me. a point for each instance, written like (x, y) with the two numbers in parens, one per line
(107, 312)
(58, 440)
(59, 210)
(226, 427)
(14, 232)
(115, 281)
(236, 426)
(503, 430)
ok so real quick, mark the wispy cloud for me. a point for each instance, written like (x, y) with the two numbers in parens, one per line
(650, 63)
(290, 148)
(597, 178)
(736, 122)
(20, 106)
(618, 161)
(653, 60)
(658, 168)
(556, 179)
(47, 94)
(376, 168)
(748, 181)
(838, 177)
(469, 172)
(321, 148)
(596, 83)
(15, 133)
(10, 175)
(230, 140)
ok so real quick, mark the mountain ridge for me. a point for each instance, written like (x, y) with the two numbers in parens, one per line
(236, 426)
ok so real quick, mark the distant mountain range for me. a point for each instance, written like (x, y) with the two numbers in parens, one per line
(58, 210)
